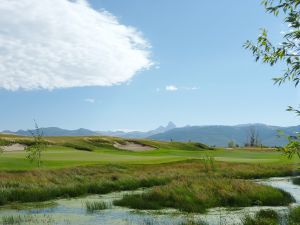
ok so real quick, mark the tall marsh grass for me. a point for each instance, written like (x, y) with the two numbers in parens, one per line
(294, 216)
(263, 217)
(16, 220)
(198, 195)
(43, 185)
(39, 194)
(96, 206)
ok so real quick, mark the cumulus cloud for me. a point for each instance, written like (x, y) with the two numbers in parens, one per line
(90, 100)
(171, 88)
(48, 44)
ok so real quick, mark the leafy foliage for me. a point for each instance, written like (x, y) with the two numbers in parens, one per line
(287, 52)
(293, 146)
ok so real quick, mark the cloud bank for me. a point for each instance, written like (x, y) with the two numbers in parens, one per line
(49, 44)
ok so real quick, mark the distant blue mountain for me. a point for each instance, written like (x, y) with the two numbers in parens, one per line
(210, 135)
(139, 134)
(55, 131)
(221, 135)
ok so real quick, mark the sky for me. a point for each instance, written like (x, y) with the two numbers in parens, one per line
(136, 65)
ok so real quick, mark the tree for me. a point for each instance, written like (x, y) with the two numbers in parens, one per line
(34, 151)
(252, 137)
(287, 52)
(231, 144)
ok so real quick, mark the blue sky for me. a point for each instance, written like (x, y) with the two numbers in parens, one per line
(198, 54)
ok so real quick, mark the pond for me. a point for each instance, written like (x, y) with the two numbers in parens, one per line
(73, 211)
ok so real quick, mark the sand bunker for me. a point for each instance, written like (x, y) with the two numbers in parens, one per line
(13, 148)
(134, 147)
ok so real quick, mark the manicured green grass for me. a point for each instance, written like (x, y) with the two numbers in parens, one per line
(59, 156)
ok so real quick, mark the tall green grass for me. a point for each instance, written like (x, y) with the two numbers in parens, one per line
(294, 216)
(150, 221)
(45, 184)
(198, 195)
(27, 219)
(39, 194)
(16, 220)
(263, 217)
(96, 206)
(270, 217)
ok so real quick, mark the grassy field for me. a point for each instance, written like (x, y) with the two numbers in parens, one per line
(76, 166)
(79, 151)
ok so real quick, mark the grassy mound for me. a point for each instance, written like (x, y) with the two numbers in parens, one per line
(192, 195)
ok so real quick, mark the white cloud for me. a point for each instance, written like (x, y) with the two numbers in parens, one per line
(48, 44)
(175, 88)
(90, 100)
(171, 88)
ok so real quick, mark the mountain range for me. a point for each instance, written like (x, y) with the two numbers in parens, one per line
(210, 135)
(56, 131)
(221, 135)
